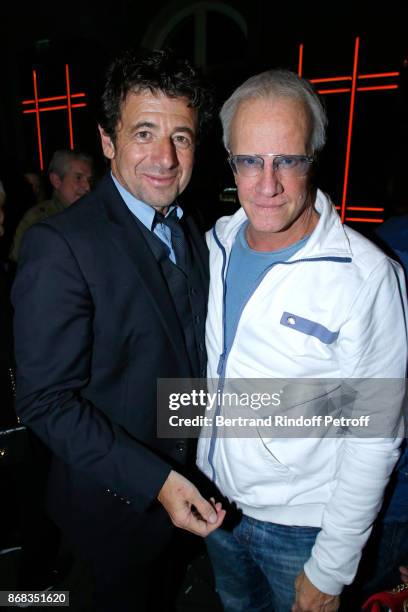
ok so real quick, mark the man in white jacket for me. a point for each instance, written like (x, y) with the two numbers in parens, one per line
(296, 295)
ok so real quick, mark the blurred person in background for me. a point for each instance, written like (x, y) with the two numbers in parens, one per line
(71, 176)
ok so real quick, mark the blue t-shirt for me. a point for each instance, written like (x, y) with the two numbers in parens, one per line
(246, 269)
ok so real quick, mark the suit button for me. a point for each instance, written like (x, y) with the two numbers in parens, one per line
(197, 319)
(203, 373)
(180, 447)
(201, 347)
(192, 291)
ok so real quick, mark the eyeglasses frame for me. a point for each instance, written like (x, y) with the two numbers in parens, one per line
(309, 158)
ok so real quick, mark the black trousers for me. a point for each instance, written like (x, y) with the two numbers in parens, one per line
(132, 568)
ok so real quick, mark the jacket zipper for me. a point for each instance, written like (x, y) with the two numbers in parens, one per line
(222, 362)
(222, 359)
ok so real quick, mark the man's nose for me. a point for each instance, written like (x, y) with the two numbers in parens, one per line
(165, 154)
(268, 183)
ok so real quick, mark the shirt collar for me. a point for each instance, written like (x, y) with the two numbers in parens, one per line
(144, 212)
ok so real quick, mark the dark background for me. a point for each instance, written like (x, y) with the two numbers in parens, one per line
(228, 41)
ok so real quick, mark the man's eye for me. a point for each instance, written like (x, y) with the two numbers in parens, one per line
(249, 161)
(287, 161)
(182, 142)
(143, 136)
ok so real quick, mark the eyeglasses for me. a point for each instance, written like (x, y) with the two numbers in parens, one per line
(285, 165)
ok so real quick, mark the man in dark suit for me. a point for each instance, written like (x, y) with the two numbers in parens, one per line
(111, 296)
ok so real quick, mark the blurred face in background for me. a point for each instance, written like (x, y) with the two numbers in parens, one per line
(76, 182)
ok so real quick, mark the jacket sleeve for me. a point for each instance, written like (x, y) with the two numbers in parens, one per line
(53, 344)
(373, 358)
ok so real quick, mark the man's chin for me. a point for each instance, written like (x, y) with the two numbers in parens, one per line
(160, 206)
(161, 201)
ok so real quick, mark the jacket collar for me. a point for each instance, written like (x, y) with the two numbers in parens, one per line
(329, 237)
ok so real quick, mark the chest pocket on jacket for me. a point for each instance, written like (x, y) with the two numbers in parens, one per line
(308, 327)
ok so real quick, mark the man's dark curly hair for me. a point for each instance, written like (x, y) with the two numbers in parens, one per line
(155, 71)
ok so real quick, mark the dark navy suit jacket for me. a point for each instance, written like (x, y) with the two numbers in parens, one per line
(95, 327)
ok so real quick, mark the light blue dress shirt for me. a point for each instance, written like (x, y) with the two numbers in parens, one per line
(146, 213)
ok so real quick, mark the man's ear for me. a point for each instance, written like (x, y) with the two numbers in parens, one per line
(107, 144)
(55, 180)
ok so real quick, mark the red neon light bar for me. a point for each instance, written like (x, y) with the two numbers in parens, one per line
(366, 208)
(359, 220)
(378, 75)
(37, 120)
(360, 76)
(53, 108)
(300, 63)
(347, 89)
(374, 87)
(54, 98)
(332, 91)
(362, 208)
(71, 133)
(331, 79)
(350, 130)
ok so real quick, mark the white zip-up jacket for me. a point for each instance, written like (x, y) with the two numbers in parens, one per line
(336, 309)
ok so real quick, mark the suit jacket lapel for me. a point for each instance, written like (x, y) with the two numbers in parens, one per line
(125, 233)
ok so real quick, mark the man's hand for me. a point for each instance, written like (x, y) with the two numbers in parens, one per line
(187, 508)
(310, 599)
(404, 573)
